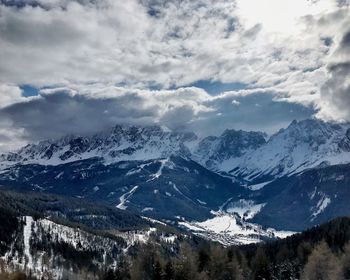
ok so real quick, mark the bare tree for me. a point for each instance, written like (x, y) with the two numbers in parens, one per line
(322, 264)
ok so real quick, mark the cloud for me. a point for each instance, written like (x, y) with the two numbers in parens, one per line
(113, 41)
(61, 111)
(252, 110)
(95, 64)
(86, 110)
(10, 94)
(336, 93)
(150, 43)
(334, 103)
(55, 114)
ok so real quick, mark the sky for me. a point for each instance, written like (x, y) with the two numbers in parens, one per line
(81, 66)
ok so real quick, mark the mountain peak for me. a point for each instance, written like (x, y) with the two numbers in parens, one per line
(212, 151)
(122, 142)
(303, 144)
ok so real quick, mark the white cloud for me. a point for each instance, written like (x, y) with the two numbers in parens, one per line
(283, 52)
(88, 109)
(9, 95)
(119, 42)
(281, 16)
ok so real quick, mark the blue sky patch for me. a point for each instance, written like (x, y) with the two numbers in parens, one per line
(28, 90)
(214, 87)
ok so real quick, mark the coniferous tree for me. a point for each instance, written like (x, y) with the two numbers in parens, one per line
(158, 272)
(186, 265)
(203, 259)
(261, 265)
(169, 271)
(109, 275)
(123, 269)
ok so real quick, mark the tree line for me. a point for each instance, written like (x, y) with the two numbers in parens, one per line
(321, 253)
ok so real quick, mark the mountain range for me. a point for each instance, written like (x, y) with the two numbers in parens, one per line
(294, 179)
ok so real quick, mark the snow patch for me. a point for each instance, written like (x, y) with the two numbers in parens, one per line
(322, 204)
(202, 202)
(246, 209)
(228, 229)
(27, 233)
(124, 198)
(163, 163)
(259, 186)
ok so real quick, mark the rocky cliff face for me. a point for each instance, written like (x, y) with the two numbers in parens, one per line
(302, 145)
(117, 144)
(213, 151)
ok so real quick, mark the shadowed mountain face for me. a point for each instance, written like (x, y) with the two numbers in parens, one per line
(213, 151)
(163, 188)
(302, 145)
(117, 144)
(309, 198)
(291, 181)
(69, 209)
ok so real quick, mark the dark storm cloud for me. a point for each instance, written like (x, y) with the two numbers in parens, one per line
(343, 3)
(54, 115)
(257, 111)
(336, 90)
(46, 4)
(345, 42)
(339, 69)
(34, 34)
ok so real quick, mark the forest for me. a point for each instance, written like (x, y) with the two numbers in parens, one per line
(320, 253)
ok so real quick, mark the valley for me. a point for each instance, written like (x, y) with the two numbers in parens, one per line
(198, 184)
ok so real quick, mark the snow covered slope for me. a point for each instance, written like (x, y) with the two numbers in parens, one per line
(48, 250)
(232, 229)
(43, 248)
(302, 145)
(120, 143)
(212, 151)
(306, 199)
(170, 175)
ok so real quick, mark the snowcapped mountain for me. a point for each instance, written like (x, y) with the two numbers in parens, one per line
(174, 176)
(302, 200)
(212, 151)
(302, 145)
(120, 143)
(248, 155)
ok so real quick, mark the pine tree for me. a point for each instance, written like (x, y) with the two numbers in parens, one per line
(261, 265)
(158, 273)
(123, 269)
(109, 275)
(169, 271)
(203, 259)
